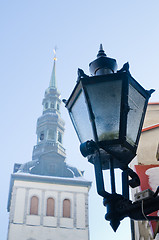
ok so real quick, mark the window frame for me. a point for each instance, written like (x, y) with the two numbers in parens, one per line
(34, 205)
(50, 209)
(66, 208)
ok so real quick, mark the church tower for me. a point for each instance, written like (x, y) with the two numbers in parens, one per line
(48, 199)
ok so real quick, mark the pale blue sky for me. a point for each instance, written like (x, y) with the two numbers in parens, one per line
(129, 31)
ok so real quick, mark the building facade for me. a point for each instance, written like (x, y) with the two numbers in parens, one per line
(146, 164)
(48, 199)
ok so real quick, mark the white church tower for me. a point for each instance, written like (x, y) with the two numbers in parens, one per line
(48, 199)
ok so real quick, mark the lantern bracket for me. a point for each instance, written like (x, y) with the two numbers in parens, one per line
(126, 173)
(119, 206)
(91, 148)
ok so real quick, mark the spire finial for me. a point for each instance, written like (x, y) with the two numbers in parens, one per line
(101, 52)
(54, 50)
(53, 75)
(101, 47)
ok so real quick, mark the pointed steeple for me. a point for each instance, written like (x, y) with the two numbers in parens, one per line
(53, 75)
(49, 155)
(50, 126)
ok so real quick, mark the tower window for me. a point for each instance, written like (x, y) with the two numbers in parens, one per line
(41, 136)
(52, 105)
(46, 105)
(50, 211)
(34, 204)
(59, 137)
(58, 107)
(66, 208)
(51, 134)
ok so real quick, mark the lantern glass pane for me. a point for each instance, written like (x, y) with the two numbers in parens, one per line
(105, 98)
(80, 119)
(136, 104)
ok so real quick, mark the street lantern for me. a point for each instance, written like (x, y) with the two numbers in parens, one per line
(107, 110)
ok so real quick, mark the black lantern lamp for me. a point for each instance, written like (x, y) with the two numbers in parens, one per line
(107, 110)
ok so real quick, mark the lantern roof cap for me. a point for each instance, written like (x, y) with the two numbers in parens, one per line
(102, 62)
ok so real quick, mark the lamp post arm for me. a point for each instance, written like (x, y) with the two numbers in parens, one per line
(118, 208)
(140, 210)
(125, 184)
(99, 176)
(135, 180)
(135, 210)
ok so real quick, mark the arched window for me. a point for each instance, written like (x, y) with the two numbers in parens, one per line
(46, 105)
(66, 208)
(34, 204)
(59, 137)
(50, 210)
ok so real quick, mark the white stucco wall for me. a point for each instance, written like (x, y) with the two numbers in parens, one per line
(81, 211)
(19, 232)
(152, 115)
(147, 147)
(19, 208)
(24, 226)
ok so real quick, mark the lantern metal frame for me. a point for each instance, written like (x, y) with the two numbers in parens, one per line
(119, 148)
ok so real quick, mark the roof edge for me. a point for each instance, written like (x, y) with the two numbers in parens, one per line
(153, 103)
(150, 127)
(51, 179)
